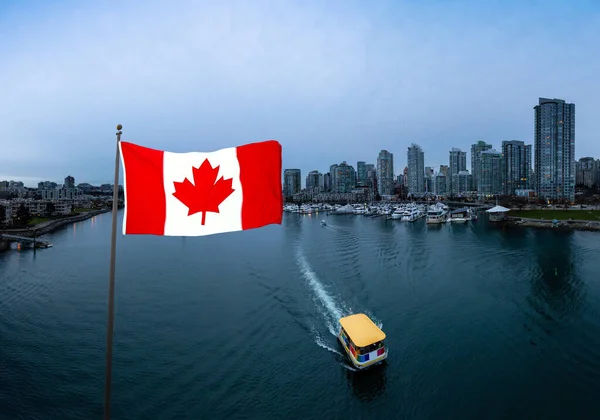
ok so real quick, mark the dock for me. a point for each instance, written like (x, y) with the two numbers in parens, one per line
(37, 243)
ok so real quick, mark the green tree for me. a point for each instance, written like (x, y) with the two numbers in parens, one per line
(2, 214)
(23, 216)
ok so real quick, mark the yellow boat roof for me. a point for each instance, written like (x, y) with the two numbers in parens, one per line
(361, 330)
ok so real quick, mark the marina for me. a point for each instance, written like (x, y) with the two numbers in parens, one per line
(435, 213)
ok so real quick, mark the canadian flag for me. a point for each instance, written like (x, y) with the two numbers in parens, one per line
(196, 194)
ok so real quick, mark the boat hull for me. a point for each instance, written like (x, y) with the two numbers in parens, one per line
(435, 221)
(356, 363)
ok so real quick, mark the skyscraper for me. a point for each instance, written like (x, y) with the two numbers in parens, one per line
(555, 149)
(385, 173)
(516, 166)
(291, 182)
(332, 179)
(476, 149)
(457, 164)
(585, 171)
(361, 173)
(416, 169)
(314, 181)
(345, 178)
(490, 173)
(327, 182)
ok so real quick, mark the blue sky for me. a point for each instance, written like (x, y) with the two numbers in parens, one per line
(331, 80)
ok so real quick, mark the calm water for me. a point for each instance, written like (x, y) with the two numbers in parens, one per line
(481, 323)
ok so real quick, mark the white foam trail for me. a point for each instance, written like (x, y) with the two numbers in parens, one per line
(324, 345)
(321, 294)
(329, 309)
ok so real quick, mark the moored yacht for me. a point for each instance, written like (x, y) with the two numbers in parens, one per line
(398, 213)
(436, 214)
(460, 215)
(410, 215)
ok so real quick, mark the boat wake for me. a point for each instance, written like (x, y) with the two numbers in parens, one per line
(330, 309)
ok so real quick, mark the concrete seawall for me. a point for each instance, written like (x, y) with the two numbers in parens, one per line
(52, 225)
(562, 224)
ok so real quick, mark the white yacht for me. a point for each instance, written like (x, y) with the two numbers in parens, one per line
(410, 215)
(398, 213)
(436, 214)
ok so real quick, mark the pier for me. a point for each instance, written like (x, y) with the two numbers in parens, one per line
(37, 243)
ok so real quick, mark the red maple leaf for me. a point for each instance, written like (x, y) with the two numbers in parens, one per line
(204, 194)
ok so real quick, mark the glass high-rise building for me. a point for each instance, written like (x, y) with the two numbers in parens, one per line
(555, 149)
(314, 181)
(345, 178)
(476, 150)
(332, 179)
(361, 173)
(292, 182)
(416, 169)
(516, 166)
(457, 164)
(490, 173)
(385, 173)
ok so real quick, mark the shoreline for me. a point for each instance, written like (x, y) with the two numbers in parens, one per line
(586, 225)
(52, 225)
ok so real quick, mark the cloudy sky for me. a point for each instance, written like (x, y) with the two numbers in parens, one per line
(331, 80)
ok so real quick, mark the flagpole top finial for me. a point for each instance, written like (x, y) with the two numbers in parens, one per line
(119, 126)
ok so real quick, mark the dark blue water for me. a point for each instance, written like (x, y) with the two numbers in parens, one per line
(481, 323)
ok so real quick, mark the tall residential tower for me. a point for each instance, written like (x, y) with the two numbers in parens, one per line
(555, 149)
(416, 169)
(385, 173)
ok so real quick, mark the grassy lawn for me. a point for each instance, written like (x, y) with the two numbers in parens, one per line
(558, 214)
(37, 221)
(76, 210)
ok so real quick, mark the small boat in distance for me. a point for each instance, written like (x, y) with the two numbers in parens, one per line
(323, 223)
(362, 340)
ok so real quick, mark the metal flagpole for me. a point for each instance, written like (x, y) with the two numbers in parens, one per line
(111, 284)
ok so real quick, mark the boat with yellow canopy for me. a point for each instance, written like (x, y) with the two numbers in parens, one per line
(362, 340)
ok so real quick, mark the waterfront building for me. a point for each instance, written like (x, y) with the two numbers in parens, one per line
(462, 182)
(554, 130)
(416, 169)
(345, 178)
(457, 164)
(385, 173)
(490, 173)
(440, 184)
(476, 150)
(429, 181)
(292, 182)
(327, 182)
(516, 168)
(585, 172)
(315, 182)
(361, 173)
(332, 180)
(372, 179)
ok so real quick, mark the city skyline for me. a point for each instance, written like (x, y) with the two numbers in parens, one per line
(331, 81)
